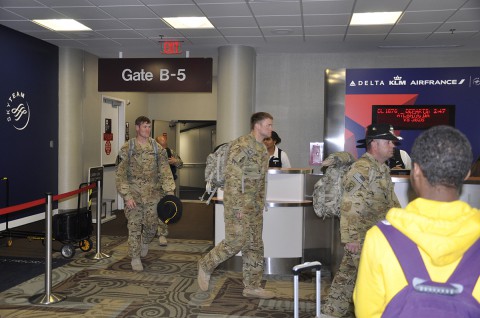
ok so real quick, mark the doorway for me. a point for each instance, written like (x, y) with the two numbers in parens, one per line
(193, 141)
(113, 137)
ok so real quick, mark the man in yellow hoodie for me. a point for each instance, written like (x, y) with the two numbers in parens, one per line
(442, 226)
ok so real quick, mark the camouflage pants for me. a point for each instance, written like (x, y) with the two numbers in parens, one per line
(142, 224)
(243, 235)
(162, 228)
(339, 301)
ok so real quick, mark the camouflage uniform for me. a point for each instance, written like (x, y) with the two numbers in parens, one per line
(244, 201)
(145, 181)
(368, 194)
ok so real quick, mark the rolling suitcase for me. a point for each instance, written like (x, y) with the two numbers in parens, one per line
(297, 269)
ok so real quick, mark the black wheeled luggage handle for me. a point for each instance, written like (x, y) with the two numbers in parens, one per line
(296, 270)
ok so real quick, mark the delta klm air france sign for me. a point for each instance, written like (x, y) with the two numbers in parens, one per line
(398, 81)
(412, 99)
(360, 79)
(155, 75)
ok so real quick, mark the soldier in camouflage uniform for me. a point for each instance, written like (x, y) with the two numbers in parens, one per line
(368, 194)
(244, 202)
(143, 177)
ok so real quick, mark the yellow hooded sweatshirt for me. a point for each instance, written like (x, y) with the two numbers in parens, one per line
(443, 231)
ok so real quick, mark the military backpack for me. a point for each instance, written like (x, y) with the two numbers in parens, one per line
(328, 191)
(215, 170)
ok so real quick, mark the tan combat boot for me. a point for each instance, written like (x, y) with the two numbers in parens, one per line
(258, 293)
(137, 264)
(162, 240)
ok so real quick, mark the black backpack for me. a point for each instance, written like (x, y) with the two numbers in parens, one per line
(172, 167)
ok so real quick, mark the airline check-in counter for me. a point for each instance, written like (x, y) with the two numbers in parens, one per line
(284, 220)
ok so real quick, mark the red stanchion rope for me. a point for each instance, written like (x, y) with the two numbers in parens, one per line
(31, 204)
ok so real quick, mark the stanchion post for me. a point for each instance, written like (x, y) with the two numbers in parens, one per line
(99, 254)
(48, 297)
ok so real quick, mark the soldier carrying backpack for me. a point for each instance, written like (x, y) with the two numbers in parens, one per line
(424, 260)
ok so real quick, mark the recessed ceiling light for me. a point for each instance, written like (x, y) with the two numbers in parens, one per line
(62, 25)
(375, 18)
(433, 46)
(189, 23)
(282, 31)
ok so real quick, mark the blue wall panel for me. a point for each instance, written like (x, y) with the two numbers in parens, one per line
(29, 119)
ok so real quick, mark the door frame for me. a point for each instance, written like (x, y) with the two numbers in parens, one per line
(120, 104)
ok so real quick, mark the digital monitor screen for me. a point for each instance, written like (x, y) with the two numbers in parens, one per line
(413, 117)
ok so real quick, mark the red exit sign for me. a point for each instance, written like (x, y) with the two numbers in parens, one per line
(171, 47)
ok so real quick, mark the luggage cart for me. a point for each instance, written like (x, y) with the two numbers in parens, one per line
(297, 269)
(73, 228)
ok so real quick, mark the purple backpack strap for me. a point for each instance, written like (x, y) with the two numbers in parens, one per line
(465, 270)
(406, 251)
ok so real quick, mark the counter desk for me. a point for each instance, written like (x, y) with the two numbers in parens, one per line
(470, 190)
(283, 221)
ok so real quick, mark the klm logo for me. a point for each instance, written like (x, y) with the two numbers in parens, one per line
(397, 81)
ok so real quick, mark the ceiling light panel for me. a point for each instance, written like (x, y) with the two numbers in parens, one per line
(375, 18)
(62, 25)
(189, 22)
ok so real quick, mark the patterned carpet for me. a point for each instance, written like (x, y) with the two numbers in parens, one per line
(167, 287)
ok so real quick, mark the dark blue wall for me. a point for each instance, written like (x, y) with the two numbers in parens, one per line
(28, 90)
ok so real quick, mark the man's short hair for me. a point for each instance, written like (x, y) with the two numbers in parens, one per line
(142, 119)
(444, 154)
(258, 117)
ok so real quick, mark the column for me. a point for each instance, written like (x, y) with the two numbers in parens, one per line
(236, 91)
(70, 123)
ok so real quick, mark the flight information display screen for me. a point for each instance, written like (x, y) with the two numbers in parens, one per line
(412, 117)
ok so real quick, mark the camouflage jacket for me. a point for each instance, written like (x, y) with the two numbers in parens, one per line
(245, 173)
(368, 194)
(179, 163)
(141, 178)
